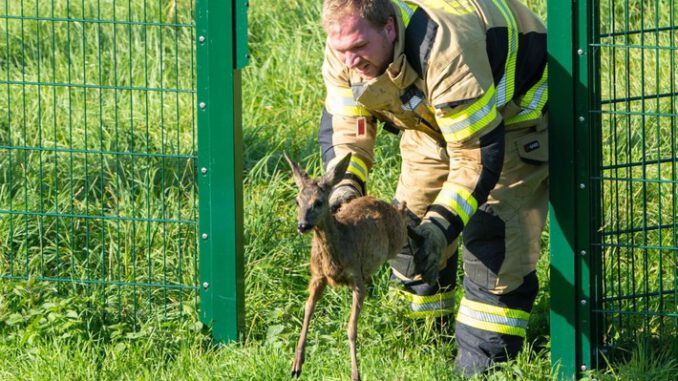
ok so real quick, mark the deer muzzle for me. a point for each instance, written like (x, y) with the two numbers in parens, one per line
(304, 227)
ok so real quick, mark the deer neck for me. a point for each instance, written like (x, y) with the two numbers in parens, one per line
(327, 235)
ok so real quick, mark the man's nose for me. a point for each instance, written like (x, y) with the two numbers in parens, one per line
(351, 60)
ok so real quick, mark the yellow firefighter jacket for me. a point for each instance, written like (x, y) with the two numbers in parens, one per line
(463, 71)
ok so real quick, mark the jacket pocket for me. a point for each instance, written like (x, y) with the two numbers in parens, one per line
(533, 148)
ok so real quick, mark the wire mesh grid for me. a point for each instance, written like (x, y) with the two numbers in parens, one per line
(635, 159)
(98, 151)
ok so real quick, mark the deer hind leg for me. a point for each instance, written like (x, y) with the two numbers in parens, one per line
(358, 298)
(315, 288)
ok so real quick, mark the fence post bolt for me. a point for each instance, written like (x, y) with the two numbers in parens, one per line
(580, 51)
(202, 105)
(201, 39)
(583, 302)
(583, 367)
(582, 186)
(582, 119)
(205, 285)
(203, 170)
(204, 236)
(583, 253)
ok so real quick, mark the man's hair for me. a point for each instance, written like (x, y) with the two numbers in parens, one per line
(376, 12)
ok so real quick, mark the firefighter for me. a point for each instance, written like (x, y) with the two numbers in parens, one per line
(464, 84)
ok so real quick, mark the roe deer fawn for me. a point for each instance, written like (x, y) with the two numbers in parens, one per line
(347, 248)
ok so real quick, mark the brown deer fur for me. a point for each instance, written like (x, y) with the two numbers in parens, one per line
(347, 248)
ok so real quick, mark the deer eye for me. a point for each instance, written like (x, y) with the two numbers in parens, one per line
(318, 203)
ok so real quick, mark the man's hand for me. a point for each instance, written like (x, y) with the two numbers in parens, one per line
(432, 243)
(342, 194)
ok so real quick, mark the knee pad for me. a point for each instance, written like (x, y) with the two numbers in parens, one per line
(484, 250)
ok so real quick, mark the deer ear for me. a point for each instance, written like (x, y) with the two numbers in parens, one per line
(335, 173)
(298, 174)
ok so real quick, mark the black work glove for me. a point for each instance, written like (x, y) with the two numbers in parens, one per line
(341, 194)
(431, 243)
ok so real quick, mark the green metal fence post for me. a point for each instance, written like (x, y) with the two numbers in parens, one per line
(561, 208)
(218, 31)
(571, 187)
(583, 146)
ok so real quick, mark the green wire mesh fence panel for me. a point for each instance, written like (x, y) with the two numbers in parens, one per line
(635, 118)
(98, 151)
(614, 198)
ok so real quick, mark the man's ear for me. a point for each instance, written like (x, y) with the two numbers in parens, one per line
(298, 174)
(391, 29)
(336, 173)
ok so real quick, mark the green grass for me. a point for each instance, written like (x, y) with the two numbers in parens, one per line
(91, 160)
(101, 187)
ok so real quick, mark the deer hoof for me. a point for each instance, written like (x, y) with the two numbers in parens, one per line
(296, 366)
(296, 370)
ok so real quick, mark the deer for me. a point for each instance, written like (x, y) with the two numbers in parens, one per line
(347, 248)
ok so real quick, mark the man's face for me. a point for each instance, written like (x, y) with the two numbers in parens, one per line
(361, 46)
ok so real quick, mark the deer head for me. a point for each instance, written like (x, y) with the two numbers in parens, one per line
(314, 194)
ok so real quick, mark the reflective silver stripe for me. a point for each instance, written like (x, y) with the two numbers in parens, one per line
(412, 103)
(444, 304)
(345, 101)
(358, 168)
(538, 96)
(524, 112)
(468, 121)
(459, 200)
(490, 318)
(407, 9)
(463, 204)
(534, 104)
(501, 91)
(513, 37)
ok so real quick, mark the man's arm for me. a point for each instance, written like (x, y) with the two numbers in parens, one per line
(475, 145)
(345, 127)
(467, 115)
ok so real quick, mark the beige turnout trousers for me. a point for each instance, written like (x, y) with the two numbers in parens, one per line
(519, 201)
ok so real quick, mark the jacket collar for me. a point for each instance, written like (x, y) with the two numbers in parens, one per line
(399, 47)
(398, 76)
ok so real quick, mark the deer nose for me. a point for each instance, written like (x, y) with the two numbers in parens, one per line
(303, 227)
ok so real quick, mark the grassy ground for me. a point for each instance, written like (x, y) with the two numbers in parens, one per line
(56, 331)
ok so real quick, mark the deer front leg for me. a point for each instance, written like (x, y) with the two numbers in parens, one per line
(315, 288)
(358, 297)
